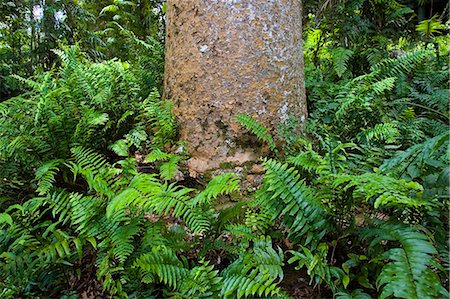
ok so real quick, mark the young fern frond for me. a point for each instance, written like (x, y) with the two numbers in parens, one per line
(256, 128)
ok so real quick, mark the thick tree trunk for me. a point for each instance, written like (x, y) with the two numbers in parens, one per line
(226, 57)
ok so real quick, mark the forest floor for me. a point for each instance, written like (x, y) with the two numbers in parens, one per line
(296, 284)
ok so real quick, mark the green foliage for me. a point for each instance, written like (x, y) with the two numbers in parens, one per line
(254, 272)
(340, 58)
(382, 190)
(95, 194)
(256, 128)
(82, 104)
(410, 273)
(426, 161)
(316, 264)
(430, 27)
(286, 197)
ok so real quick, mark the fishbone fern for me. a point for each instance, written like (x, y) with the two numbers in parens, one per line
(256, 128)
(287, 198)
(409, 274)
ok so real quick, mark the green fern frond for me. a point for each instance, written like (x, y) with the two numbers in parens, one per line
(310, 161)
(161, 265)
(120, 147)
(257, 221)
(157, 155)
(87, 158)
(121, 202)
(169, 163)
(201, 282)
(94, 168)
(289, 199)
(225, 183)
(122, 239)
(137, 136)
(356, 294)
(37, 86)
(58, 248)
(383, 190)
(87, 126)
(59, 202)
(340, 58)
(146, 192)
(256, 128)
(316, 264)
(402, 65)
(387, 132)
(254, 273)
(168, 170)
(161, 115)
(45, 175)
(408, 274)
(84, 213)
(431, 152)
(386, 84)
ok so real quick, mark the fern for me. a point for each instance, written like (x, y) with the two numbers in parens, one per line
(256, 128)
(409, 273)
(160, 114)
(383, 190)
(254, 273)
(286, 197)
(401, 65)
(45, 176)
(201, 282)
(225, 183)
(316, 264)
(169, 163)
(309, 160)
(340, 59)
(161, 265)
(387, 132)
(428, 158)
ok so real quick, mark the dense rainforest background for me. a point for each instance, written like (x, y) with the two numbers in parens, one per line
(96, 200)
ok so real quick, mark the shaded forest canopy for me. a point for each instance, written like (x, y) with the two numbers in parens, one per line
(98, 199)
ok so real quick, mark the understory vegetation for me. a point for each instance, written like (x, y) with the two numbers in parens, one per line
(95, 196)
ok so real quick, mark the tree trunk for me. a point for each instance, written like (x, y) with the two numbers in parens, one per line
(226, 57)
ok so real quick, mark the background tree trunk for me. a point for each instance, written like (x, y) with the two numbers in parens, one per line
(224, 58)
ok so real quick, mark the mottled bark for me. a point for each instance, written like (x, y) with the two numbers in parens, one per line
(225, 57)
